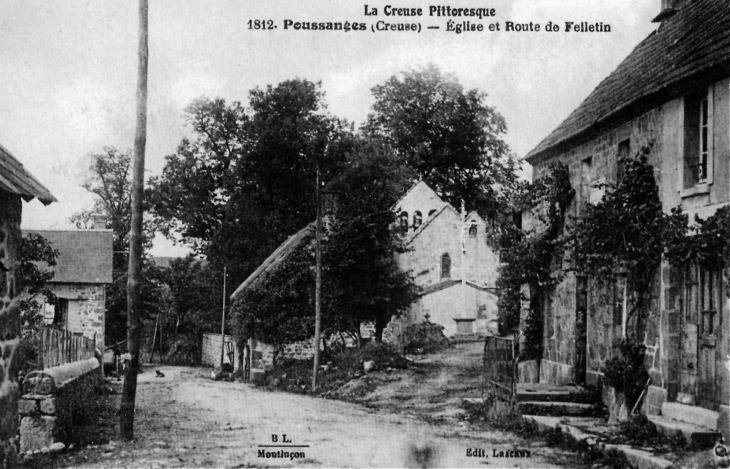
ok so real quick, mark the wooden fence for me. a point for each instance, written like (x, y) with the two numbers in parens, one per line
(60, 347)
(500, 367)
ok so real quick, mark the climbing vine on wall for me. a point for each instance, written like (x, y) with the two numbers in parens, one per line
(623, 234)
(706, 242)
(528, 256)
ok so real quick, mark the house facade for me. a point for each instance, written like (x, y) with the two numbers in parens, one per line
(16, 184)
(82, 272)
(671, 97)
(453, 261)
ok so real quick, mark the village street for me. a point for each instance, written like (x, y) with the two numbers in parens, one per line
(188, 420)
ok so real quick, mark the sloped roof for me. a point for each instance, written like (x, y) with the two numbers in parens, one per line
(418, 184)
(692, 47)
(165, 262)
(84, 256)
(14, 178)
(278, 256)
(427, 223)
(450, 283)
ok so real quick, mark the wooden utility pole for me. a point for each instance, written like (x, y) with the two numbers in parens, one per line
(129, 391)
(223, 320)
(317, 288)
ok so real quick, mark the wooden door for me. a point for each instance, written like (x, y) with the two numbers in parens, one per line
(701, 332)
(709, 333)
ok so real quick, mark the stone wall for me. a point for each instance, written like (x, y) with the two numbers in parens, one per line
(597, 161)
(263, 354)
(593, 162)
(211, 351)
(56, 401)
(10, 237)
(86, 308)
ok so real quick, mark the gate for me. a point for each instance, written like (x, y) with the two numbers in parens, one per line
(500, 367)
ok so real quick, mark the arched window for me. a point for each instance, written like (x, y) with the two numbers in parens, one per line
(473, 229)
(417, 219)
(445, 265)
(403, 223)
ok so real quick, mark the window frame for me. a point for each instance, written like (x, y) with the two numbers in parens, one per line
(701, 185)
(445, 267)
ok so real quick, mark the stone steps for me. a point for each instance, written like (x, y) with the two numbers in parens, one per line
(554, 408)
(700, 436)
(698, 425)
(551, 393)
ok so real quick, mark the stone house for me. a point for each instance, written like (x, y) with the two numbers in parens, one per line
(82, 272)
(16, 183)
(673, 92)
(452, 259)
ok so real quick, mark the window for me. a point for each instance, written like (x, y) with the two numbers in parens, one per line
(697, 165)
(586, 177)
(624, 152)
(473, 229)
(403, 223)
(598, 190)
(417, 219)
(61, 313)
(431, 212)
(445, 266)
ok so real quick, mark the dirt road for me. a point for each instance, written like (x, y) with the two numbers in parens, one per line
(187, 420)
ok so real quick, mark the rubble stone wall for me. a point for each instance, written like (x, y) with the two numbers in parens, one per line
(86, 308)
(590, 163)
(10, 237)
(49, 413)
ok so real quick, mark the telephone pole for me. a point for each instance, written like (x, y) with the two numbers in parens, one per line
(134, 325)
(317, 288)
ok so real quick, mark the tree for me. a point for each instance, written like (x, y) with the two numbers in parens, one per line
(36, 253)
(448, 135)
(364, 282)
(247, 179)
(361, 280)
(109, 179)
(194, 305)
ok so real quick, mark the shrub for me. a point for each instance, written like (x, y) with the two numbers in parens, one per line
(423, 335)
(626, 372)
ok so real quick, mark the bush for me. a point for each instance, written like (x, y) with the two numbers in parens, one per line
(423, 335)
(626, 371)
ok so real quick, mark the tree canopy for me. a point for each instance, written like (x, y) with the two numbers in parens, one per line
(448, 135)
(109, 179)
(247, 179)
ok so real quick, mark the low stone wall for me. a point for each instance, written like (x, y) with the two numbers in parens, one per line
(211, 351)
(54, 402)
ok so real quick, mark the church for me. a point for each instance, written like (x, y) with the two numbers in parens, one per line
(453, 260)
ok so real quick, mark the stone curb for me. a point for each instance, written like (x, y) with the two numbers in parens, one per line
(639, 458)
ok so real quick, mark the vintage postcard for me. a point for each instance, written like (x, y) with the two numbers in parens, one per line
(279, 233)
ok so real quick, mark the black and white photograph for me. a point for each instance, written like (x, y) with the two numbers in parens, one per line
(280, 233)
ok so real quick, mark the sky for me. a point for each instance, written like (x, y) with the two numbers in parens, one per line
(69, 70)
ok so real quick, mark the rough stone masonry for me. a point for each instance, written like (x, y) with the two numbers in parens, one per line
(10, 238)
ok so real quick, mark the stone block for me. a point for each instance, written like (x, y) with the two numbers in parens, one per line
(528, 372)
(691, 414)
(655, 397)
(48, 405)
(258, 375)
(27, 406)
(36, 432)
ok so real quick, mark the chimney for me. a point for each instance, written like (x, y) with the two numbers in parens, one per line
(99, 221)
(669, 8)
